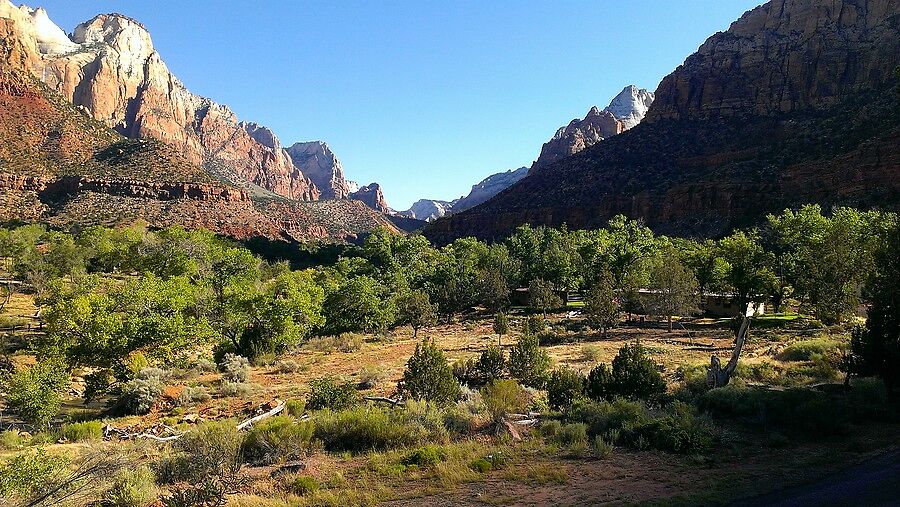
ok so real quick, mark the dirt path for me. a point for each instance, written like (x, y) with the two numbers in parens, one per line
(873, 483)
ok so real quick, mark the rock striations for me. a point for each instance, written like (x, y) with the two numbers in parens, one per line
(795, 103)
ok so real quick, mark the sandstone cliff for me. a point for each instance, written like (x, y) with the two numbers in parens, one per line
(795, 103)
(373, 197)
(316, 160)
(60, 165)
(110, 68)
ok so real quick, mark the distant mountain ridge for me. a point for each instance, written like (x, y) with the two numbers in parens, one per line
(624, 111)
(432, 209)
(795, 103)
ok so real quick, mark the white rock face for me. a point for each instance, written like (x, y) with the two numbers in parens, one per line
(489, 187)
(51, 39)
(316, 160)
(631, 105)
(432, 209)
(428, 209)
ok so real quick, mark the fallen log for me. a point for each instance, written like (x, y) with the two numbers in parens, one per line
(275, 411)
(381, 399)
(125, 435)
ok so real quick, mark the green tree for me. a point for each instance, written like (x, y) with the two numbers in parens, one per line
(358, 304)
(673, 288)
(564, 386)
(628, 245)
(601, 305)
(876, 348)
(282, 315)
(704, 260)
(827, 259)
(493, 291)
(428, 376)
(528, 362)
(101, 325)
(415, 308)
(34, 393)
(749, 267)
(501, 327)
(541, 296)
(633, 375)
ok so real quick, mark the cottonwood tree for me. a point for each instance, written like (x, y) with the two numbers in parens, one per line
(415, 308)
(541, 296)
(358, 304)
(673, 288)
(749, 270)
(704, 260)
(876, 348)
(827, 259)
(601, 305)
(100, 325)
(34, 392)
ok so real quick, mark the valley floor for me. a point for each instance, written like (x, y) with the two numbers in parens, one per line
(746, 460)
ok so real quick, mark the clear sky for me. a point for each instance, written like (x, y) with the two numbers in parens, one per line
(425, 97)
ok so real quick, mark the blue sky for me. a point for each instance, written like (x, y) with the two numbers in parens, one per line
(427, 97)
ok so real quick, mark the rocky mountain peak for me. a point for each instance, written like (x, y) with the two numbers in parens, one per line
(429, 209)
(316, 160)
(372, 196)
(130, 38)
(624, 111)
(262, 134)
(630, 105)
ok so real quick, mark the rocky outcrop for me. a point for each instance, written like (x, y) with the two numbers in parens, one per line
(111, 69)
(784, 56)
(596, 126)
(626, 110)
(794, 104)
(69, 185)
(61, 166)
(372, 196)
(316, 160)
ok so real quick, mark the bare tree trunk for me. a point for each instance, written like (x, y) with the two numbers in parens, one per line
(8, 295)
(716, 376)
(669, 317)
